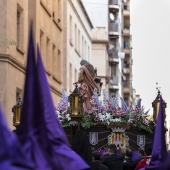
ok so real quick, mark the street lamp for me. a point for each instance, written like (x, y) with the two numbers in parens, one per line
(76, 108)
(17, 112)
(98, 82)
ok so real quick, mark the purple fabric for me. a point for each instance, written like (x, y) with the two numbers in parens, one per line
(42, 137)
(135, 155)
(62, 156)
(28, 129)
(10, 149)
(118, 153)
(159, 152)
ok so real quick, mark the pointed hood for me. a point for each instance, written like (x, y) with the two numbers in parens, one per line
(159, 152)
(11, 155)
(29, 103)
(61, 154)
(30, 122)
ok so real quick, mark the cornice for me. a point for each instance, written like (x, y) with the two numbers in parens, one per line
(100, 41)
(11, 60)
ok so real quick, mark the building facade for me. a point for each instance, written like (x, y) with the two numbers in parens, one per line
(114, 16)
(100, 57)
(77, 41)
(62, 29)
(13, 27)
(127, 65)
(115, 49)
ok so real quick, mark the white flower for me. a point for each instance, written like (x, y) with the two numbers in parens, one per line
(68, 117)
(116, 120)
(108, 116)
(101, 117)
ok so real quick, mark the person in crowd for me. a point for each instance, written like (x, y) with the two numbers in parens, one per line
(96, 163)
(146, 160)
(141, 153)
(122, 153)
(128, 163)
(112, 161)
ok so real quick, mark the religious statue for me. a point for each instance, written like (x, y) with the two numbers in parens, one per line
(86, 80)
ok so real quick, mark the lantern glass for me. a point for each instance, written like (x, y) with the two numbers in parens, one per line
(157, 109)
(17, 112)
(74, 107)
(18, 115)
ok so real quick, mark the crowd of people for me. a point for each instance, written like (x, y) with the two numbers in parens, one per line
(111, 159)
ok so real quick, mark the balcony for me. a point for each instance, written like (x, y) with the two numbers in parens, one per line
(114, 5)
(113, 57)
(126, 88)
(126, 47)
(127, 51)
(126, 70)
(113, 83)
(126, 32)
(113, 29)
(126, 11)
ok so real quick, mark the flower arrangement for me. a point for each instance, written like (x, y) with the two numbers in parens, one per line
(106, 113)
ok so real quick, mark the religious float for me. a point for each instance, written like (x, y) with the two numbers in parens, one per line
(105, 121)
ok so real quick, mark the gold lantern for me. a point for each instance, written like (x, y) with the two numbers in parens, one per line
(76, 104)
(17, 112)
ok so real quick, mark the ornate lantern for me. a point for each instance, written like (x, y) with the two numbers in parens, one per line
(156, 104)
(76, 104)
(17, 112)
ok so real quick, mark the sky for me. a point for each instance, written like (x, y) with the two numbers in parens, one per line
(150, 30)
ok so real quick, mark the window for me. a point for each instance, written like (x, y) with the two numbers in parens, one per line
(70, 77)
(82, 47)
(71, 30)
(125, 6)
(59, 65)
(79, 41)
(75, 36)
(18, 93)
(54, 61)
(48, 55)
(126, 44)
(59, 10)
(85, 50)
(20, 27)
(88, 53)
(75, 76)
(42, 45)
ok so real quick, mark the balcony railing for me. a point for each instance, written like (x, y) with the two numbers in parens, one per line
(114, 80)
(126, 7)
(113, 27)
(113, 2)
(113, 57)
(126, 32)
(126, 87)
(126, 70)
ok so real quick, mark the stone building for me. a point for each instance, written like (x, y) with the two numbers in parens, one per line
(63, 31)
(77, 41)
